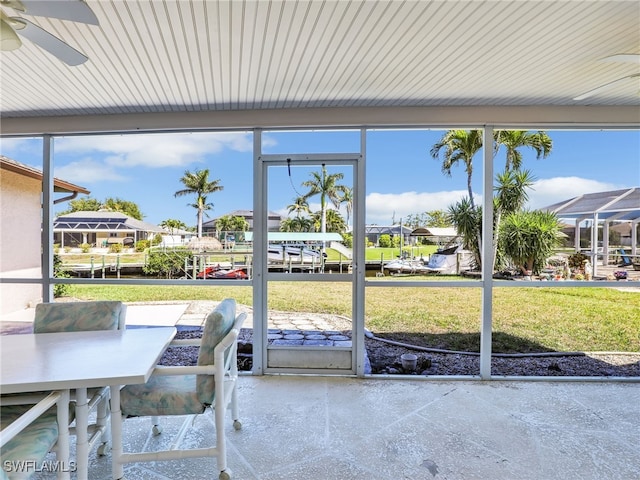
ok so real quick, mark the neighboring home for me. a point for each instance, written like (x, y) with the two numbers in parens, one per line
(21, 232)
(273, 222)
(100, 229)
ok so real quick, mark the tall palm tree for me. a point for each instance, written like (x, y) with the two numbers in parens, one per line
(299, 206)
(334, 221)
(513, 140)
(198, 183)
(510, 197)
(327, 186)
(347, 199)
(172, 225)
(459, 146)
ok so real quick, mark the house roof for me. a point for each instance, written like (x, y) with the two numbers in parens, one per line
(61, 186)
(617, 205)
(102, 221)
(194, 64)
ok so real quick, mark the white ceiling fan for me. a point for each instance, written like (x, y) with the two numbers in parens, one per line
(621, 57)
(14, 27)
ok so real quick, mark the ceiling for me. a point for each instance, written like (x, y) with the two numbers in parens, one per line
(195, 63)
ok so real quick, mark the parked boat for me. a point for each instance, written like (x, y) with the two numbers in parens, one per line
(448, 261)
(218, 272)
(293, 254)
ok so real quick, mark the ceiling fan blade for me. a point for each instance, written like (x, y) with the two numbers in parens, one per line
(74, 10)
(51, 43)
(606, 86)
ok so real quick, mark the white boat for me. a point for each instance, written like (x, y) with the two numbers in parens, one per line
(449, 261)
(293, 254)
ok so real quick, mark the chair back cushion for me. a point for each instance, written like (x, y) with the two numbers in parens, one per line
(218, 324)
(75, 316)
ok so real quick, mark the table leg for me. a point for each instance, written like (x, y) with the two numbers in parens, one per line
(62, 452)
(116, 433)
(82, 434)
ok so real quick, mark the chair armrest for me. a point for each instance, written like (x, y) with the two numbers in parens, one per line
(185, 342)
(28, 417)
(184, 370)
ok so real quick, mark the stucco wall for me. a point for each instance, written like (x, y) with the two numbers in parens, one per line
(20, 227)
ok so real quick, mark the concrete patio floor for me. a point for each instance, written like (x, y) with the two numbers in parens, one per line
(312, 427)
(343, 428)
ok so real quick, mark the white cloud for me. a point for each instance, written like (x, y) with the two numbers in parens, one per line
(383, 207)
(87, 171)
(19, 148)
(157, 150)
(548, 191)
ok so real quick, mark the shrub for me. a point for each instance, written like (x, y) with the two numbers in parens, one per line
(85, 247)
(59, 289)
(167, 263)
(347, 239)
(115, 248)
(576, 261)
(384, 241)
(142, 245)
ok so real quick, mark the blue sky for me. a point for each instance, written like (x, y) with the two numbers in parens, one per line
(402, 178)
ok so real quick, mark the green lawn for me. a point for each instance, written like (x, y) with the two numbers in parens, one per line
(525, 319)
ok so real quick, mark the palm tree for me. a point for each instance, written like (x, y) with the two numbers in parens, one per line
(325, 185)
(172, 225)
(515, 139)
(198, 183)
(334, 221)
(299, 206)
(459, 146)
(347, 199)
(529, 237)
(510, 197)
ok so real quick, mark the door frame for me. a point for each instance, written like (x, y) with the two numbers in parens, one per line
(318, 359)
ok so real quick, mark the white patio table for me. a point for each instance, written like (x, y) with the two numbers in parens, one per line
(79, 360)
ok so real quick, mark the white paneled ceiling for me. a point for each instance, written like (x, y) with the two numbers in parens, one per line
(162, 56)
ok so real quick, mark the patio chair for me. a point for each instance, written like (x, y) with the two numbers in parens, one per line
(77, 316)
(626, 259)
(189, 390)
(85, 316)
(29, 432)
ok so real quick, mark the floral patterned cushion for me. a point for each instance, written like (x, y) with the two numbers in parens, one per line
(32, 444)
(218, 324)
(161, 395)
(74, 316)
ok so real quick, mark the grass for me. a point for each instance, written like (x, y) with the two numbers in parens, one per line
(524, 319)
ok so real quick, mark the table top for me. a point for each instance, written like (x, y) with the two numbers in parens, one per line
(67, 360)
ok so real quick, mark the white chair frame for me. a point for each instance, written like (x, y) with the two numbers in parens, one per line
(226, 396)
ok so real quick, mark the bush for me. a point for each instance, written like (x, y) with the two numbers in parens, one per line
(347, 240)
(85, 247)
(167, 263)
(115, 248)
(576, 261)
(142, 245)
(384, 241)
(59, 289)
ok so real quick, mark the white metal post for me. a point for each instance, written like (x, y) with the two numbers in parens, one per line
(487, 254)
(47, 218)
(259, 278)
(359, 257)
